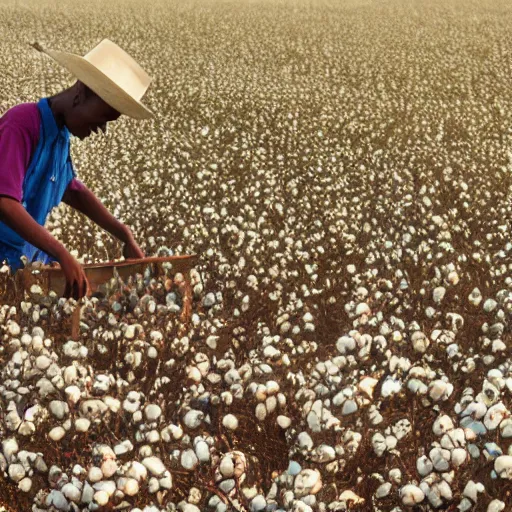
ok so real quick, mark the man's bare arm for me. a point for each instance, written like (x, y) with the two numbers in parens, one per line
(87, 203)
(14, 215)
(19, 220)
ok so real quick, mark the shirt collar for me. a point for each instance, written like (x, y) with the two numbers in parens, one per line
(53, 128)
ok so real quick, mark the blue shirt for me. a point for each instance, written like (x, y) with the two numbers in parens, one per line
(47, 177)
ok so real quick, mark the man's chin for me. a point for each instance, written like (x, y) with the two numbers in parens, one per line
(81, 135)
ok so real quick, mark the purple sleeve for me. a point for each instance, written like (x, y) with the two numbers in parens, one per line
(76, 184)
(15, 152)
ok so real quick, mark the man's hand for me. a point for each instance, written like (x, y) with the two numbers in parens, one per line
(131, 250)
(77, 285)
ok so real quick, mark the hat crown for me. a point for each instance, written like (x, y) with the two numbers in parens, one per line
(120, 67)
(111, 73)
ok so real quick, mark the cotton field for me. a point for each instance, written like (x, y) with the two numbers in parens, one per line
(343, 169)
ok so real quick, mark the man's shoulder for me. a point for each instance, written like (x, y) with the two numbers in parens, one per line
(24, 116)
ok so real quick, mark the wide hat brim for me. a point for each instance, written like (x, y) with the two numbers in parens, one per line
(101, 84)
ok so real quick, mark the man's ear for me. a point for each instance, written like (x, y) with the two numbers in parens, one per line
(79, 95)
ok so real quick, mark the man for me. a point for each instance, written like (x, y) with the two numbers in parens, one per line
(36, 171)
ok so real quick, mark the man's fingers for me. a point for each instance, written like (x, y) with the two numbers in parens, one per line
(79, 289)
(75, 290)
(66, 290)
(85, 286)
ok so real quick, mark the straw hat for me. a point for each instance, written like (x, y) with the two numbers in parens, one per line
(111, 73)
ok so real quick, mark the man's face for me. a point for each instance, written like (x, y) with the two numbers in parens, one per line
(90, 114)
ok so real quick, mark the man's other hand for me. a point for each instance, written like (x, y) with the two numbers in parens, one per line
(132, 251)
